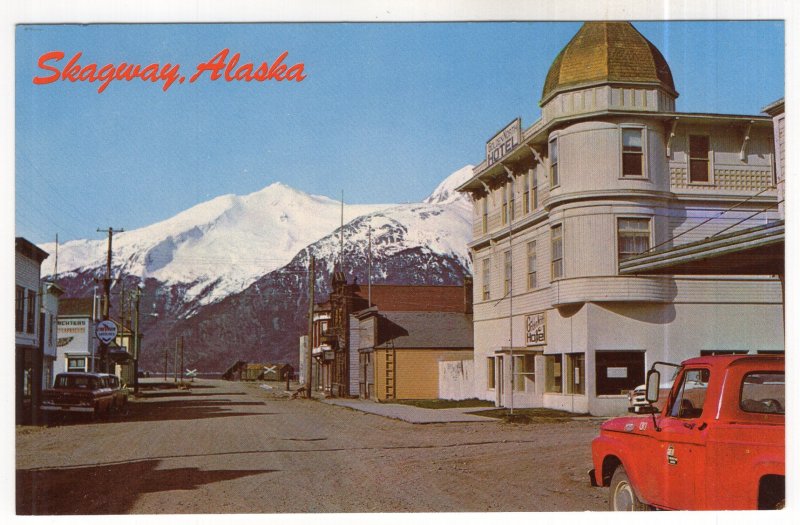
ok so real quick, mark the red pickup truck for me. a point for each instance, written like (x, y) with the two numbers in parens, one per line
(717, 442)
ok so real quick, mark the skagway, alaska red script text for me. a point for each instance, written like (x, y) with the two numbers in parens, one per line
(218, 67)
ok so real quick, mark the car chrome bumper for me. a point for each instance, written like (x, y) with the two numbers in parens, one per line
(54, 408)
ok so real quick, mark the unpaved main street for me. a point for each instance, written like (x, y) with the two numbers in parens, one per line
(235, 448)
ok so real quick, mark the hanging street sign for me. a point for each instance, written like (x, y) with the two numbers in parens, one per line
(106, 331)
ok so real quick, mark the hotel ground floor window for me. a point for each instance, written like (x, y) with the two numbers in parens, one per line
(576, 376)
(552, 373)
(618, 372)
(490, 373)
(523, 371)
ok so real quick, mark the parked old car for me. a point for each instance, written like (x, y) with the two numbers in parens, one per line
(120, 391)
(715, 442)
(78, 392)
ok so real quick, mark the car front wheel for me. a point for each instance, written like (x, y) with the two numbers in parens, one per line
(622, 497)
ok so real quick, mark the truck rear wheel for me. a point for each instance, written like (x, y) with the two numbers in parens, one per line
(621, 496)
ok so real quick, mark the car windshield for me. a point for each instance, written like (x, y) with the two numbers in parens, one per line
(87, 382)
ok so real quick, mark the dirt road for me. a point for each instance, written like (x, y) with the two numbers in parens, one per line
(235, 448)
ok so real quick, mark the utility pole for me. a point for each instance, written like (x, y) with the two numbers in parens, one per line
(182, 360)
(136, 343)
(55, 266)
(310, 343)
(341, 238)
(107, 292)
(369, 266)
(510, 271)
(166, 354)
(175, 374)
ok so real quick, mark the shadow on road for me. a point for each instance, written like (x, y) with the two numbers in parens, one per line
(178, 410)
(107, 489)
(184, 393)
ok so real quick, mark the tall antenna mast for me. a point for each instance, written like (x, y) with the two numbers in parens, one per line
(55, 268)
(341, 239)
(369, 265)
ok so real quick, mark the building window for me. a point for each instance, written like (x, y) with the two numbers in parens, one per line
(76, 364)
(30, 325)
(524, 371)
(552, 365)
(487, 274)
(507, 273)
(557, 252)
(511, 201)
(504, 212)
(531, 265)
(618, 372)
(691, 396)
(633, 237)
(576, 374)
(485, 214)
(19, 309)
(698, 158)
(526, 194)
(490, 373)
(632, 152)
(534, 191)
(554, 181)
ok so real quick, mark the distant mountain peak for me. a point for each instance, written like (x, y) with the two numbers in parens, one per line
(446, 192)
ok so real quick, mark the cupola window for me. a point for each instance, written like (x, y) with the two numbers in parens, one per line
(632, 152)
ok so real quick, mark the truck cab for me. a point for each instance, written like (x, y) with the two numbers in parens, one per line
(715, 443)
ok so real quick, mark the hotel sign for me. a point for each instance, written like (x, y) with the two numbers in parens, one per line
(501, 144)
(535, 329)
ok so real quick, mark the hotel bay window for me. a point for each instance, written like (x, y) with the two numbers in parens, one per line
(618, 372)
(556, 252)
(575, 377)
(531, 265)
(633, 237)
(552, 372)
(523, 371)
(485, 214)
(699, 158)
(485, 278)
(553, 156)
(632, 152)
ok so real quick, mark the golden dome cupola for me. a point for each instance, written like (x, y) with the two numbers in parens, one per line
(608, 53)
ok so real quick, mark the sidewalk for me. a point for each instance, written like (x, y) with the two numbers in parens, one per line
(412, 414)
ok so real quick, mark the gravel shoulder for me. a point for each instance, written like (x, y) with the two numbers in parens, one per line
(225, 447)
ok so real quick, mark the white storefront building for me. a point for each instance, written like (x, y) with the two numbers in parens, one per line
(609, 171)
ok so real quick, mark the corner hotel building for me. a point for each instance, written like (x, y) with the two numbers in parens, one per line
(611, 170)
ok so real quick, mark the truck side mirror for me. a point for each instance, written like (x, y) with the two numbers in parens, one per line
(653, 380)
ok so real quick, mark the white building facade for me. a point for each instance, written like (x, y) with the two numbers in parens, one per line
(27, 328)
(609, 171)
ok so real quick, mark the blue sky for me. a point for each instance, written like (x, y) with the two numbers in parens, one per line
(386, 111)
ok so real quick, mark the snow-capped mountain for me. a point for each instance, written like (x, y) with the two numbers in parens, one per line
(227, 242)
(230, 273)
